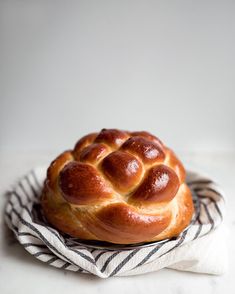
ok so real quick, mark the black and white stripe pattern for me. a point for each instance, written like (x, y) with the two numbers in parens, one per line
(23, 216)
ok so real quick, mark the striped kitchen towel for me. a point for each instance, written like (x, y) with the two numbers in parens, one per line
(200, 248)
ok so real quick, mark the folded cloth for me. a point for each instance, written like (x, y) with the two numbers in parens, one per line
(199, 248)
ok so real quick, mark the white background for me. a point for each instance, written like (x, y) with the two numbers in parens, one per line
(71, 67)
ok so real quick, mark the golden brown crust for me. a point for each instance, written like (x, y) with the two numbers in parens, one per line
(55, 168)
(118, 186)
(82, 143)
(160, 185)
(148, 136)
(183, 211)
(93, 152)
(60, 215)
(81, 183)
(176, 164)
(112, 137)
(121, 223)
(148, 151)
(122, 169)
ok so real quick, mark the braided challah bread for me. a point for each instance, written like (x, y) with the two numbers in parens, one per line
(118, 186)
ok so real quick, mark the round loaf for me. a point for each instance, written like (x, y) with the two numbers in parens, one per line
(118, 186)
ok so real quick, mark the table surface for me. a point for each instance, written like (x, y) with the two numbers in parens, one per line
(22, 273)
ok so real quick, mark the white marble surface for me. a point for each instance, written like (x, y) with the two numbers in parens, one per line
(22, 273)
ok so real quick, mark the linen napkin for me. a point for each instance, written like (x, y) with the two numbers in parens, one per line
(199, 248)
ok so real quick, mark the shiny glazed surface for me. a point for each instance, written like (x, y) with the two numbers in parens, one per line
(118, 186)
